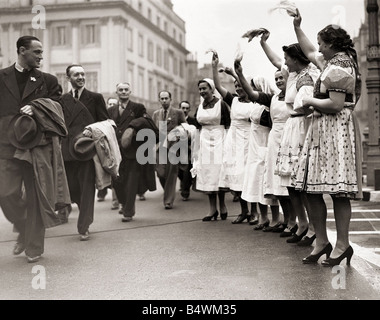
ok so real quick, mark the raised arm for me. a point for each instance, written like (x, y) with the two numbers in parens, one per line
(272, 56)
(252, 95)
(307, 47)
(215, 62)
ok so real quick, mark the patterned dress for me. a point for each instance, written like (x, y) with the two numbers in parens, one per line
(329, 160)
(299, 85)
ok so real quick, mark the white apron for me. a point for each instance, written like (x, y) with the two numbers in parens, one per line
(210, 155)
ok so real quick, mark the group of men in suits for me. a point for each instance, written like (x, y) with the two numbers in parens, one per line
(22, 83)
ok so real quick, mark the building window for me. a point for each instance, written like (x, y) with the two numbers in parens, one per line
(130, 78)
(140, 6)
(150, 14)
(130, 39)
(158, 22)
(175, 65)
(141, 89)
(174, 34)
(63, 82)
(159, 56)
(150, 51)
(92, 81)
(166, 27)
(141, 45)
(181, 39)
(90, 34)
(181, 69)
(151, 89)
(60, 36)
(166, 61)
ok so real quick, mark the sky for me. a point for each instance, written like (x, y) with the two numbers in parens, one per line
(220, 24)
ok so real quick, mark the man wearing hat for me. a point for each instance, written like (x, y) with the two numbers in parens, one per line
(20, 84)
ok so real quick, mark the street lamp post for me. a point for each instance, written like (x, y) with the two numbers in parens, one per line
(373, 88)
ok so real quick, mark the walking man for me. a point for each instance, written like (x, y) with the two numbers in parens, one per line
(167, 118)
(20, 84)
(81, 107)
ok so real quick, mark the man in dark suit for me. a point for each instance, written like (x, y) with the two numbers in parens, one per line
(81, 174)
(184, 173)
(20, 84)
(130, 181)
(167, 172)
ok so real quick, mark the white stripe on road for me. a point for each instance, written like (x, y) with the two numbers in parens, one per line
(358, 210)
(358, 219)
(364, 232)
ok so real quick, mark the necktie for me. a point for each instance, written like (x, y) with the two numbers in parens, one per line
(76, 94)
(165, 114)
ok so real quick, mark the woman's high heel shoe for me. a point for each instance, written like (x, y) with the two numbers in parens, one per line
(224, 216)
(297, 238)
(313, 258)
(241, 217)
(330, 262)
(209, 218)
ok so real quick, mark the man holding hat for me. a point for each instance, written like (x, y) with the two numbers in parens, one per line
(81, 107)
(20, 84)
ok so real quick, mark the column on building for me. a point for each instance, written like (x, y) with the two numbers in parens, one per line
(5, 45)
(75, 40)
(47, 48)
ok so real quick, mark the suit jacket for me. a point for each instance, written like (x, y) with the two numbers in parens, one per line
(39, 85)
(133, 111)
(77, 117)
(95, 103)
(174, 118)
(191, 120)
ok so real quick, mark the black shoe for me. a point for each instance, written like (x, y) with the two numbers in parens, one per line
(280, 228)
(289, 233)
(19, 248)
(330, 262)
(261, 226)
(297, 238)
(307, 241)
(209, 218)
(241, 217)
(224, 216)
(254, 221)
(271, 228)
(313, 258)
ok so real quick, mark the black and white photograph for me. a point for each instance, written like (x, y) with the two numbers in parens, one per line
(191, 157)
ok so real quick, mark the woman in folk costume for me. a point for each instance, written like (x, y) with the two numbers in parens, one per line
(279, 113)
(236, 145)
(301, 76)
(213, 118)
(254, 171)
(330, 162)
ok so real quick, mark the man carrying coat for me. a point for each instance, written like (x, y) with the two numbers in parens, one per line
(20, 84)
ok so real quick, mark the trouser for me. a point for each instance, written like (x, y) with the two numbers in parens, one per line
(168, 174)
(127, 185)
(17, 177)
(186, 181)
(81, 181)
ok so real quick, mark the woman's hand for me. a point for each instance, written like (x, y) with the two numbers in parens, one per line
(215, 60)
(238, 67)
(265, 36)
(297, 20)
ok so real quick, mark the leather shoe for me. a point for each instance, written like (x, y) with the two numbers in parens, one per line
(168, 206)
(19, 248)
(271, 228)
(126, 219)
(288, 232)
(306, 241)
(33, 259)
(85, 236)
(241, 217)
